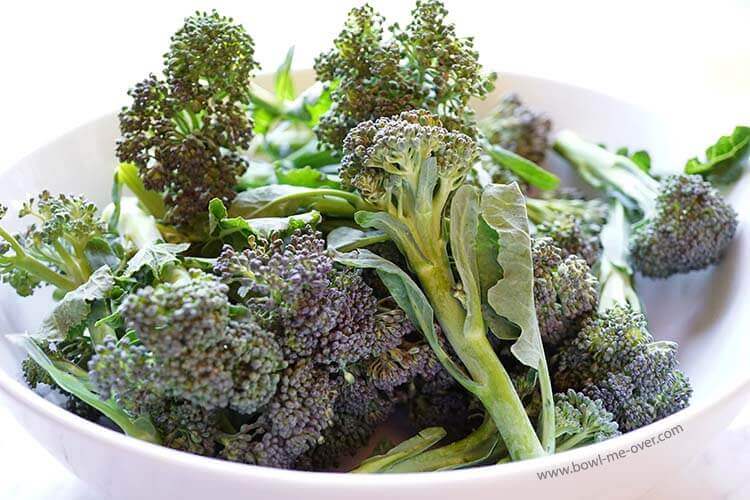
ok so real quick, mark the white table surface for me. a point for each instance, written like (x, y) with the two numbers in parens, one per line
(67, 62)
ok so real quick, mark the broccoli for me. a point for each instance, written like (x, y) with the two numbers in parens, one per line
(423, 65)
(191, 349)
(185, 133)
(565, 292)
(442, 402)
(573, 224)
(614, 358)
(581, 421)
(517, 128)
(682, 223)
(408, 167)
(56, 248)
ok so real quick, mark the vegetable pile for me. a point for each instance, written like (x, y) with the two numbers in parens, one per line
(281, 274)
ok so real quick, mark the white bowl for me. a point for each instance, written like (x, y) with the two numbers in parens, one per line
(706, 312)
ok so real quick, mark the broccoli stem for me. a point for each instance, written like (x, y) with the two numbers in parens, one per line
(482, 444)
(608, 171)
(331, 202)
(493, 387)
(127, 173)
(33, 266)
(613, 271)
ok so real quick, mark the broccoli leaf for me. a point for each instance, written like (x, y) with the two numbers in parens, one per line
(305, 176)
(74, 380)
(283, 82)
(504, 209)
(463, 236)
(641, 158)
(725, 160)
(410, 298)
(523, 168)
(281, 200)
(346, 239)
(75, 306)
(156, 257)
(412, 447)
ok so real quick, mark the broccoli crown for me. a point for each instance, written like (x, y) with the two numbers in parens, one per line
(397, 366)
(573, 238)
(53, 248)
(565, 292)
(423, 65)
(580, 421)
(183, 425)
(318, 309)
(689, 229)
(615, 359)
(184, 134)
(514, 126)
(191, 349)
(297, 415)
(383, 159)
(358, 410)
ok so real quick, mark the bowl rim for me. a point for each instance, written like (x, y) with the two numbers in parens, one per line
(29, 399)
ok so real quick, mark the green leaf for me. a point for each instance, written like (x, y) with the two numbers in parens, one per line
(75, 306)
(75, 381)
(258, 173)
(346, 239)
(282, 200)
(464, 229)
(504, 209)
(155, 257)
(725, 160)
(283, 82)
(306, 177)
(523, 168)
(410, 298)
(99, 252)
(412, 447)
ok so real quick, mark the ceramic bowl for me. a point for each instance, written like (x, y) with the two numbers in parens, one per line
(707, 312)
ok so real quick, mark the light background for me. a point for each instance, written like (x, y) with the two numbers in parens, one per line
(64, 63)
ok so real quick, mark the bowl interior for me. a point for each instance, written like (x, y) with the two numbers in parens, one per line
(704, 311)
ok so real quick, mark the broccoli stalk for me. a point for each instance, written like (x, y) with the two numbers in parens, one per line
(681, 224)
(56, 248)
(408, 167)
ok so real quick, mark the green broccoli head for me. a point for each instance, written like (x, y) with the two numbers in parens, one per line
(191, 349)
(683, 223)
(615, 359)
(573, 238)
(210, 57)
(689, 229)
(565, 292)
(580, 421)
(389, 159)
(423, 65)
(515, 127)
(185, 133)
(54, 248)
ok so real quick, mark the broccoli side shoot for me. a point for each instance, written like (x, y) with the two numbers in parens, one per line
(56, 249)
(424, 64)
(681, 224)
(614, 358)
(185, 133)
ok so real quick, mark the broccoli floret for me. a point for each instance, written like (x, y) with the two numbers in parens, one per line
(423, 65)
(191, 349)
(515, 127)
(359, 409)
(184, 426)
(318, 308)
(408, 167)
(293, 423)
(54, 248)
(565, 292)
(614, 358)
(185, 133)
(682, 223)
(580, 421)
